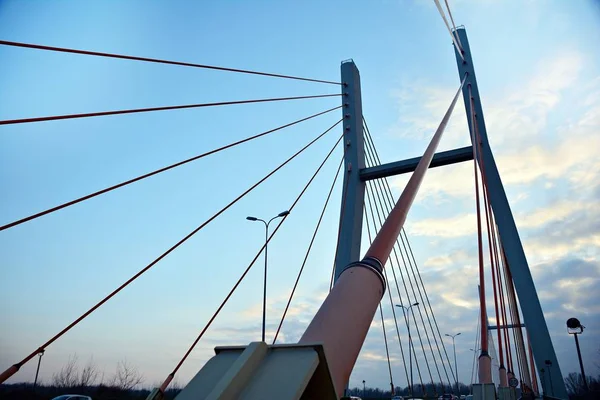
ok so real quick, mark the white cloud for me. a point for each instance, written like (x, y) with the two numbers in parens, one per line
(460, 225)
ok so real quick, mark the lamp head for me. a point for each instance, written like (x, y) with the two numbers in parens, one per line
(283, 213)
(252, 218)
(574, 326)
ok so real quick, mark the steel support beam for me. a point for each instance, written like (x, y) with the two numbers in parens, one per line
(351, 217)
(509, 326)
(404, 166)
(541, 343)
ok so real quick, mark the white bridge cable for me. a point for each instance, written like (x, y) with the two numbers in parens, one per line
(475, 350)
(389, 291)
(370, 193)
(370, 206)
(417, 275)
(452, 34)
(412, 285)
(384, 212)
(453, 25)
(387, 351)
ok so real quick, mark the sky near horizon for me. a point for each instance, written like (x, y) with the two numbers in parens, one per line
(538, 71)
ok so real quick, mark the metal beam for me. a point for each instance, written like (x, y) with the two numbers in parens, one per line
(510, 326)
(404, 166)
(541, 343)
(348, 247)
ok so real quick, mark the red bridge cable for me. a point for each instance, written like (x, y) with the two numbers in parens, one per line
(504, 306)
(11, 370)
(484, 337)
(156, 60)
(170, 377)
(312, 240)
(532, 365)
(158, 171)
(165, 108)
(391, 202)
(501, 300)
(491, 248)
(497, 274)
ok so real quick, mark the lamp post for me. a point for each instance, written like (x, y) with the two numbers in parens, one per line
(406, 310)
(364, 389)
(41, 353)
(455, 365)
(280, 215)
(575, 328)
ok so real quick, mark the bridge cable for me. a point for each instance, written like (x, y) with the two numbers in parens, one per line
(475, 350)
(312, 240)
(454, 38)
(453, 25)
(390, 200)
(484, 337)
(372, 149)
(491, 245)
(158, 171)
(507, 283)
(505, 316)
(156, 60)
(187, 353)
(439, 334)
(371, 197)
(14, 368)
(387, 352)
(389, 286)
(534, 379)
(519, 343)
(503, 308)
(379, 215)
(163, 108)
(496, 244)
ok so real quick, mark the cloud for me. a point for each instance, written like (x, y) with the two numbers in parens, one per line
(460, 225)
(517, 125)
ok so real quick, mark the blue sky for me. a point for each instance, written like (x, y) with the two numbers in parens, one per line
(539, 77)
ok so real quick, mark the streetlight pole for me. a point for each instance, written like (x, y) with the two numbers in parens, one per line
(575, 328)
(405, 310)
(455, 364)
(264, 310)
(38, 368)
(364, 389)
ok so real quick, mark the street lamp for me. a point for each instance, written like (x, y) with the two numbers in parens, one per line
(364, 389)
(406, 310)
(455, 365)
(575, 328)
(41, 353)
(280, 215)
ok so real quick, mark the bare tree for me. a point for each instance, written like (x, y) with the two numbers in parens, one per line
(68, 375)
(89, 374)
(126, 377)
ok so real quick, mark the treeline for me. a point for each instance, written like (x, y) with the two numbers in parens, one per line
(125, 383)
(427, 390)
